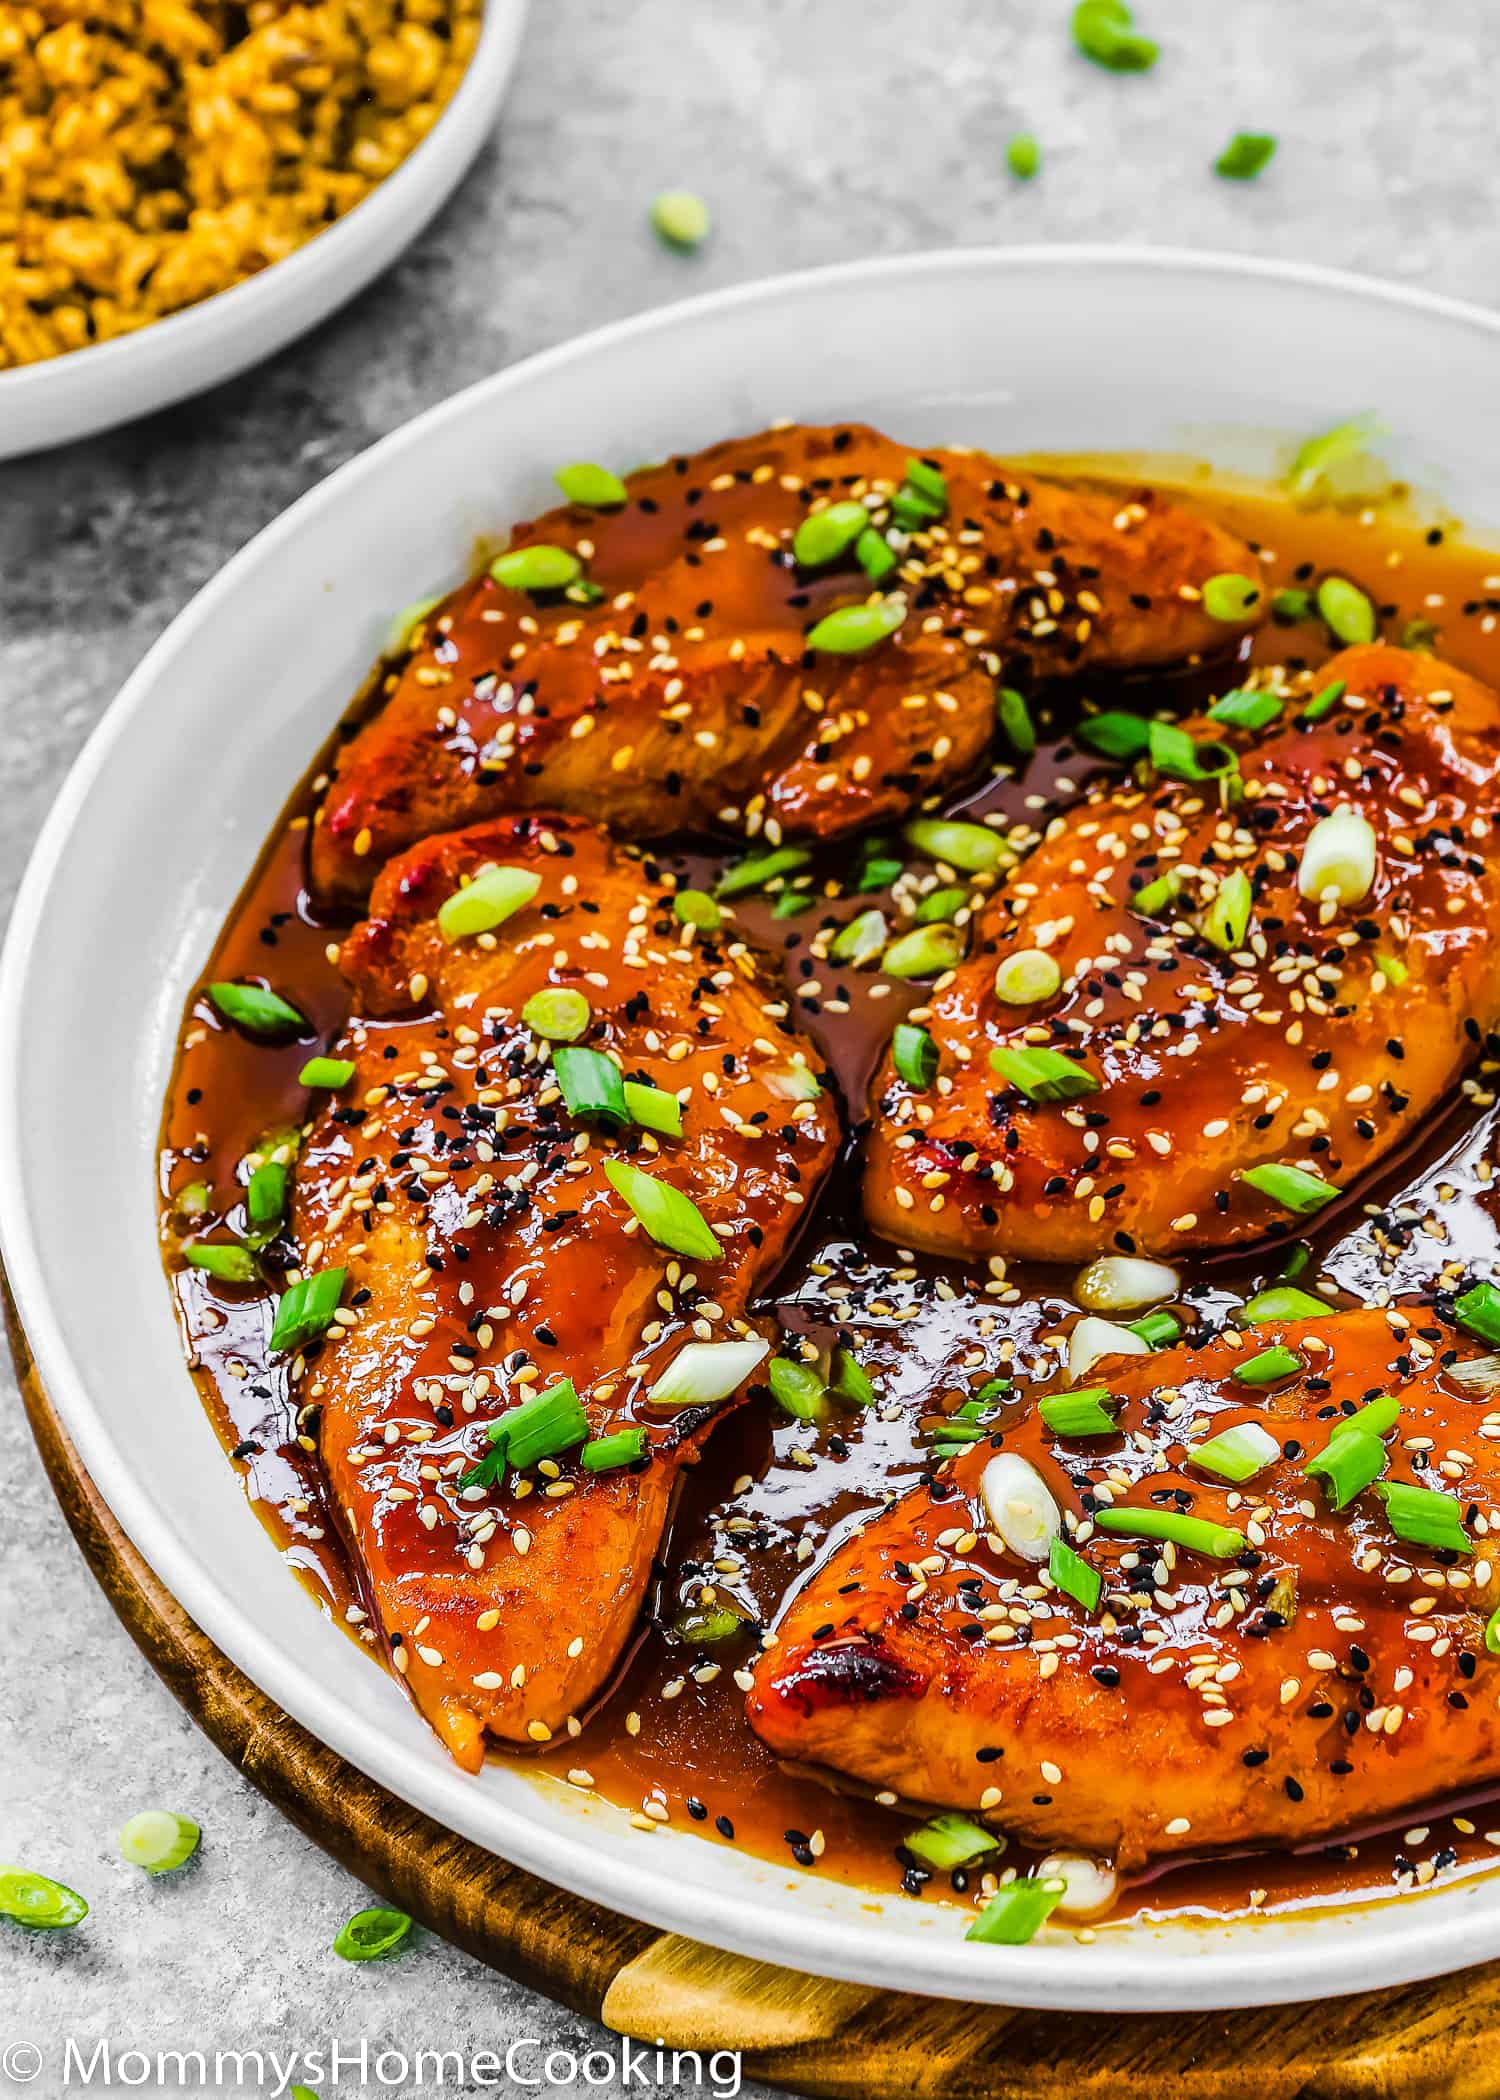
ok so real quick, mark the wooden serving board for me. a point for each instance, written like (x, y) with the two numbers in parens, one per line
(1428, 2041)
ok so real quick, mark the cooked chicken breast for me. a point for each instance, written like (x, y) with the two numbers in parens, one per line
(1229, 982)
(1323, 1671)
(682, 694)
(490, 1257)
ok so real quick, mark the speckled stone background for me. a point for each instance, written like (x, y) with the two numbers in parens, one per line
(818, 129)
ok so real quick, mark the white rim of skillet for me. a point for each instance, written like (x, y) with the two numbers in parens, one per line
(470, 110)
(868, 1953)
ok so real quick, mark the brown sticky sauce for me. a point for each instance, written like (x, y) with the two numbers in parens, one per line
(776, 1496)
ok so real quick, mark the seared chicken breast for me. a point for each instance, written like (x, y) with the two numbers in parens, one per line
(503, 1238)
(1224, 985)
(682, 680)
(1315, 1667)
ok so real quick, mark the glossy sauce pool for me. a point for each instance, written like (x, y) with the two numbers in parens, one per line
(669, 1742)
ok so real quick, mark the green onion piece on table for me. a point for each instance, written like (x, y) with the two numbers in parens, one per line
(950, 1841)
(1042, 1075)
(1245, 155)
(681, 219)
(1017, 1912)
(1072, 1574)
(915, 1056)
(757, 869)
(607, 1454)
(306, 1310)
(257, 1010)
(369, 1934)
(852, 630)
(673, 1220)
(494, 896)
(226, 1259)
(158, 1841)
(536, 568)
(1196, 1534)
(558, 1014)
(1023, 156)
(826, 534)
(1269, 1366)
(329, 1073)
(1295, 1188)
(38, 1901)
(594, 487)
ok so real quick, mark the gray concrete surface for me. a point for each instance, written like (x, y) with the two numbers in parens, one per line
(818, 131)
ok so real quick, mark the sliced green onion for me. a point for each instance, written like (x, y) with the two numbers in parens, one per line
(1155, 897)
(1295, 1188)
(544, 1425)
(1347, 612)
(697, 908)
(1349, 1462)
(1023, 156)
(703, 1373)
(1392, 970)
(796, 1387)
(256, 1010)
(1020, 1506)
(927, 480)
(536, 568)
(226, 1259)
(306, 1310)
(915, 1056)
(1114, 735)
(851, 1381)
(757, 869)
(913, 511)
(193, 1200)
(1231, 599)
(927, 951)
(1121, 1282)
(265, 1194)
(1478, 1312)
(974, 848)
(1282, 1302)
(1027, 977)
(1017, 1912)
(1042, 1075)
(494, 896)
(1091, 1340)
(558, 1014)
(607, 1454)
(1298, 1255)
(592, 1088)
(399, 634)
(794, 1082)
(1174, 753)
(1292, 605)
(1377, 1418)
(1492, 1631)
(850, 630)
(826, 534)
(1082, 1413)
(1227, 919)
(1269, 1366)
(158, 1841)
(1423, 1517)
(861, 940)
(1158, 1330)
(681, 218)
(1104, 31)
(877, 871)
(939, 904)
(1196, 1534)
(1236, 1454)
(1245, 155)
(1015, 721)
(371, 1933)
(1246, 710)
(330, 1073)
(950, 1841)
(38, 1901)
(1329, 449)
(791, 902)
(653, 1108)
(708, 1627)
(594, 487)
(1325, 700)
(875, 555)
(1073, 1576)
(1339, 857)
(671, 1219)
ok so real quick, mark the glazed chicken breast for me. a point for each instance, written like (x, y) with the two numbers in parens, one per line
(1222, 987)
(665, 668)
(1299, 1648)
(507, 1235)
